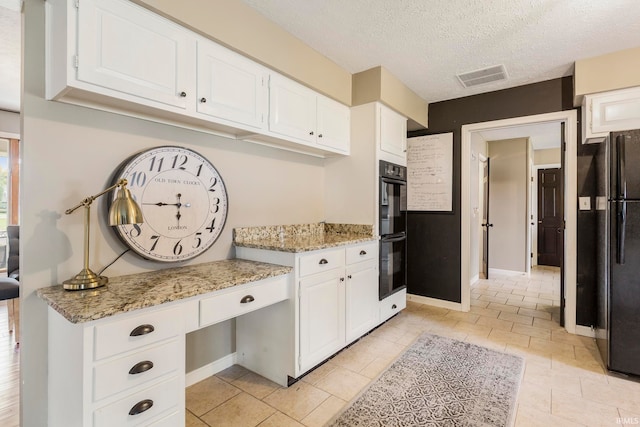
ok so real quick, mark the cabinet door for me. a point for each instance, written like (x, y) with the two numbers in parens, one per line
(362, 306)
(614, 111)
(125, 48)
(393, 132)
(292, 109)
(322, 320)
(334, 125)
(230, 86)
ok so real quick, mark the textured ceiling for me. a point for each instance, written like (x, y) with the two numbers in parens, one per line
(425, 43)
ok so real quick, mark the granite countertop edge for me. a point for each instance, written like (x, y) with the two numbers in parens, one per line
(143, 290)
(294, 245)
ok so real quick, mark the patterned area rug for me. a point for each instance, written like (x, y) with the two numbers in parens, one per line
(440, 382)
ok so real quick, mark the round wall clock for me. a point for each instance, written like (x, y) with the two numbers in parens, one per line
(183, 201)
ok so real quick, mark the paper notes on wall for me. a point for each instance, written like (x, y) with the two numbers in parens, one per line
(430, 173)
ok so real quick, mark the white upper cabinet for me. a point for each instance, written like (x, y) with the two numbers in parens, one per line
(124, 48)
(117, 56)
(292, 109)
(231, 87)
(393, 133)
(303, 115)
(610, 111)
(334, 125)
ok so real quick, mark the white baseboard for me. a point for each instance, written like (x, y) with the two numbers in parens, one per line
(510, 272)
(210, 369)
(585, 331)
(435, 302)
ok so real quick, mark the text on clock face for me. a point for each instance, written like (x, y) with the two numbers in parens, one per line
(176, 181)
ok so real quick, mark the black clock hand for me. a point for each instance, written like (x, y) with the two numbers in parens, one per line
(178, 206)
(160, 204)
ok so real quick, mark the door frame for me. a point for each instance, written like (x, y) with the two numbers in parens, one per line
(570, 117)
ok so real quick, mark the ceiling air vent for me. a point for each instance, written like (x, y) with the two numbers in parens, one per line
(485, 75)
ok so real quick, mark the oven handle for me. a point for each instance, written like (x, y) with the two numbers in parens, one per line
(393, 238)
(393, 181)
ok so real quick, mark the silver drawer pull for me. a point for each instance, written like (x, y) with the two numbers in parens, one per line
(140, 407)
(247, 299)
(323, 261)
(142, 330)
(363, 252)
(141, 367)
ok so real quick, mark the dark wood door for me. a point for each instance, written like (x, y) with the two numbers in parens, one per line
(550, 217)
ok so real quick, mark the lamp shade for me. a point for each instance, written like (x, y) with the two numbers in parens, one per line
(124, 210)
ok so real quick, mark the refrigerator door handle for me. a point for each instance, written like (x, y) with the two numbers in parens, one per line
(622, 225)
(621, 178)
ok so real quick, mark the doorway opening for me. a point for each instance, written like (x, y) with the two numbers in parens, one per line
(468, 222)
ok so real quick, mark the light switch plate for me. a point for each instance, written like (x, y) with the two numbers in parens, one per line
(585, 203)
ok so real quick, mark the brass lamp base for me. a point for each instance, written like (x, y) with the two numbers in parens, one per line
(86, 279)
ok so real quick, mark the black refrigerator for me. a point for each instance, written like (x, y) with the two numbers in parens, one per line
(618, 218)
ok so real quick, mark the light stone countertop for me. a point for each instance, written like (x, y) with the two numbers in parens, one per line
(136, 291)
(302, 237)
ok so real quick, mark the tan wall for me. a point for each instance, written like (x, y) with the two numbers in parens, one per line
(508, 204)
(617, 70)
(242, 28)
(547, 156)
(379, 84)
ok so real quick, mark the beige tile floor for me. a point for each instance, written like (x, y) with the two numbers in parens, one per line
(564, 383)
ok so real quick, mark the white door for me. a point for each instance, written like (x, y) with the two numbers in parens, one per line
(393, 132)
(124, 48)
(230, 86)
(321, 317)
(334, 125)
(362, 307)
(292, 109)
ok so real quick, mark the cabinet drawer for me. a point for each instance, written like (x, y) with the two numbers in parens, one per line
(318, 262)
(134, 332)
(163, 398)
(393, 304)
(115, 376)
(362, 252)
(235, 303)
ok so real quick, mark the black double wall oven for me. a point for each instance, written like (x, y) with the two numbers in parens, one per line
(393, 228)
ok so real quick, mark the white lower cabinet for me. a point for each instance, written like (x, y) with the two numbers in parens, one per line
(336, 301)
(322, 316)
(125, 370)
(393, 304)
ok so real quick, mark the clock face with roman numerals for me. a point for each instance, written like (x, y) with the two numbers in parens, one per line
(183, 201)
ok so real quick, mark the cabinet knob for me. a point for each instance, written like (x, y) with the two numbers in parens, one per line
(203, 100)
(342, 279)
(311, 133)
(247, 299)
(349, 277)
(320, 136)
(183, 94)
(141, 367)
(323, 261)
(142, 330)
(363, 252)
(393, 307)
(141, 406)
